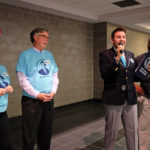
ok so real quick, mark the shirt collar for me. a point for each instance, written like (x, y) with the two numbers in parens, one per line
(37, 50)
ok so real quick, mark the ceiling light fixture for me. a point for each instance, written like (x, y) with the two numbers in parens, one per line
(126, 3)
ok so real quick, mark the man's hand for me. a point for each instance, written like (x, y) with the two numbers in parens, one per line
(46, 97)
(51, 96)
(43, 96)
(119, 48)
(139, 89)
(2, 91)
(9, 89)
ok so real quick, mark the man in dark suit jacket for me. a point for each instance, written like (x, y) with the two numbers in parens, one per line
(143, 91)
(119, 97)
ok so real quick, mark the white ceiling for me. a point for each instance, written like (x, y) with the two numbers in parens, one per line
(93, 11)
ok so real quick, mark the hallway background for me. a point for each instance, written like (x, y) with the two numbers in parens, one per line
(74, 44)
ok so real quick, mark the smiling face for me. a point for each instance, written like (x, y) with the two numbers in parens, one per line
(41, 40)
(119, 37)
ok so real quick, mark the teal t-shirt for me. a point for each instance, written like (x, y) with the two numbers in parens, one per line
(4, 81)
(39, 68)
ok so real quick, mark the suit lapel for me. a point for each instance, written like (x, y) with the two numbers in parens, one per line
(127, 55)
(113, 52)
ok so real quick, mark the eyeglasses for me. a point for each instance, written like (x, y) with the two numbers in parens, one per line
(47, 37)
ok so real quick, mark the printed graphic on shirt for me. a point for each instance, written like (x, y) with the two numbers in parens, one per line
(43, 67)
(3, 83)
(147, 63)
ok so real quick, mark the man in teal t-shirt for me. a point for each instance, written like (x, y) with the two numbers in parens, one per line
(38, 76)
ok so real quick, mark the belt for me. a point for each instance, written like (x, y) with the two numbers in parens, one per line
(123, 87)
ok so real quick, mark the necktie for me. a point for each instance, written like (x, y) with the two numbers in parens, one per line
(123, 61)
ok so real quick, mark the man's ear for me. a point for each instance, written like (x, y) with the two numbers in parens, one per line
(35, 37)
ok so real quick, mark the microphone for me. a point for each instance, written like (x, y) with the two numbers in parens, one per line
(121, 51)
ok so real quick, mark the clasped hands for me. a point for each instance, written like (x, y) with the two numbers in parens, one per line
(46, 97)
(8, 89)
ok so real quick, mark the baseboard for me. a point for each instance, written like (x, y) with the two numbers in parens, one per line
(79, 103)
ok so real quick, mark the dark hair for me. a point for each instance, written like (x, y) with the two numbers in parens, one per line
(116, 30)
(35, 31)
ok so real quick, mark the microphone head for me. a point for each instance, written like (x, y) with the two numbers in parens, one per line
(121, 51)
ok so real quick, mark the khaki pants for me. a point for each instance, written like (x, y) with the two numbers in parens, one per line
(128, 114)
(144, 124)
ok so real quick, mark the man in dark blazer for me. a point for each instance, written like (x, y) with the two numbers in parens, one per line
(143, 91)
(119, 97)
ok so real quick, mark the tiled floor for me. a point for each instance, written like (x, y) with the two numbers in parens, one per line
(76, 127)
(89, 136)
(79, 137)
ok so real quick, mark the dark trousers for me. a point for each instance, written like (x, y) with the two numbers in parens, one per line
(37, 123)
(5, 136)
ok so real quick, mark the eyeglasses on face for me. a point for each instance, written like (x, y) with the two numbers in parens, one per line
(45, 36)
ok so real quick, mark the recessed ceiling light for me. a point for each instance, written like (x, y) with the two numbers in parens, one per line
(126, 3)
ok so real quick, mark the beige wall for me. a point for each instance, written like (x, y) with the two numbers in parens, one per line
(99, 44)
(71, 44)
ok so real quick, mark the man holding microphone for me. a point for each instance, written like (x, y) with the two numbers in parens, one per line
(119, 97)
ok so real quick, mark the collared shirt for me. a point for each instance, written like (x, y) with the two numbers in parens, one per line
(123, 54)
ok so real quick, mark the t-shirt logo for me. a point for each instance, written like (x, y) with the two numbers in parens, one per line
(3, 83)
(147, 63)
(43, 66)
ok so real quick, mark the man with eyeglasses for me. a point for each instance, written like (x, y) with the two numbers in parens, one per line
(39, 88)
